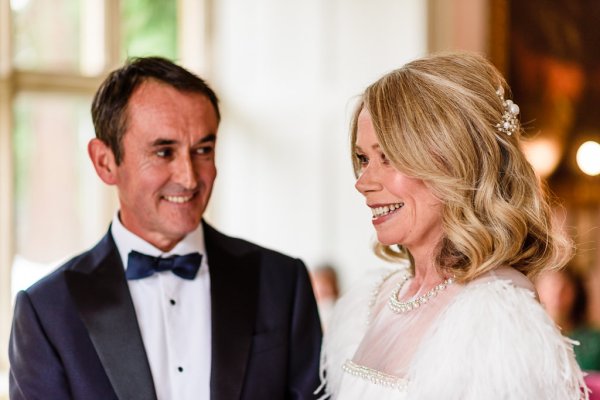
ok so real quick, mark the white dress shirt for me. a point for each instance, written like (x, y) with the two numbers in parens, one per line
(174, 317)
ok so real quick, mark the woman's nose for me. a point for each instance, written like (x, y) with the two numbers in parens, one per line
(367, 180)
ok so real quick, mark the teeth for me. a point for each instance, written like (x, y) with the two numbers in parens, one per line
(380, 211)
(178, 199)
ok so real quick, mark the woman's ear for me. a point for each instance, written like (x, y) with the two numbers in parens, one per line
(104, 161)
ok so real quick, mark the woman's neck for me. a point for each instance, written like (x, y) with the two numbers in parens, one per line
(427, 274)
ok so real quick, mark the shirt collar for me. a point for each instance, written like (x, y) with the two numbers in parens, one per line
(127, 241)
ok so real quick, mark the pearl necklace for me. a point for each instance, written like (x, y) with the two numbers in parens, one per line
(401, 307)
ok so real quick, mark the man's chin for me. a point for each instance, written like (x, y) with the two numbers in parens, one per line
(185, 228)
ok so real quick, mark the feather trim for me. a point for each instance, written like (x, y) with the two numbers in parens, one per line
(495, 341)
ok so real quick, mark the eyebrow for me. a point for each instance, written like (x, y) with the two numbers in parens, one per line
(374, 147)
(166, 142)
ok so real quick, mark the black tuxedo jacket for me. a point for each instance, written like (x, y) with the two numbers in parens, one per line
(75, 334)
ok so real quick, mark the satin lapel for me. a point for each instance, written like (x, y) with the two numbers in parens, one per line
(234, 291)
(100, 292)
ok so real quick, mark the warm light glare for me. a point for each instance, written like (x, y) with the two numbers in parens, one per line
(543, 154)
(588, 158)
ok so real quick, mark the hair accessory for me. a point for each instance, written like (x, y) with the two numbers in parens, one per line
(509, 123)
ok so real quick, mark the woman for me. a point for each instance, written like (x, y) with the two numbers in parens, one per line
(437, 158)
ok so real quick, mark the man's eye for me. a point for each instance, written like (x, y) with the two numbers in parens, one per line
(164, 153)
(204, 150)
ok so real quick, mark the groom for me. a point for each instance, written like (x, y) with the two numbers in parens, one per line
(164, 306)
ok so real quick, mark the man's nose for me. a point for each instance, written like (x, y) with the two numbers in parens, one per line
(184, 172)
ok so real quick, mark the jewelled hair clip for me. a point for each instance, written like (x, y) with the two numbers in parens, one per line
(509, 123)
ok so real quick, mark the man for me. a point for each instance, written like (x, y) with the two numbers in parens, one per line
(164, 306)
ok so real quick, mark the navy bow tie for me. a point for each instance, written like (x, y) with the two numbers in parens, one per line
(141, 265)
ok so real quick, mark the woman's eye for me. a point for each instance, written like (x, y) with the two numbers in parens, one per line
(384, 159)
(362, 159)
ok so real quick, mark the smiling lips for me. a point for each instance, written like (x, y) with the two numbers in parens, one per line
(385, 210)
(178, 199)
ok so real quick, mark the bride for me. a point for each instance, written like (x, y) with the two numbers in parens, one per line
(437, 156)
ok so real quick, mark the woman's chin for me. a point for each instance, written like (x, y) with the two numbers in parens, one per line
(387, 241)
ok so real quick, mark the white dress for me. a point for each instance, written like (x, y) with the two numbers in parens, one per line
(488, 339)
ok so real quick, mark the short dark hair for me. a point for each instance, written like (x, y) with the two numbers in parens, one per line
(110, 102)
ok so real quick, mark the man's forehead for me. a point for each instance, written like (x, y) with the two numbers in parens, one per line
(164, 141)
(152, 91)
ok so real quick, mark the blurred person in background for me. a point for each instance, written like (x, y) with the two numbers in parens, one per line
(324, 281)
(564, 297)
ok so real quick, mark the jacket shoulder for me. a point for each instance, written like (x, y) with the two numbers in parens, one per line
(241, 247)
(83, 262)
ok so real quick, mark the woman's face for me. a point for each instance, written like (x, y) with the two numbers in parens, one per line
(405, 211)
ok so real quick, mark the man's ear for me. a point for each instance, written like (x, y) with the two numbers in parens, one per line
(104, 161)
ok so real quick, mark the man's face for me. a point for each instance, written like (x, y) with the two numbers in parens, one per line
(168, 167)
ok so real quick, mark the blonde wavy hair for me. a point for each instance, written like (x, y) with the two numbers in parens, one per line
(435, 120)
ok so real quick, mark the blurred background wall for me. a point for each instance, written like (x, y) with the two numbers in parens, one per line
(287, 73)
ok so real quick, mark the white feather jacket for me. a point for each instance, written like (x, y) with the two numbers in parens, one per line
(489, 339)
